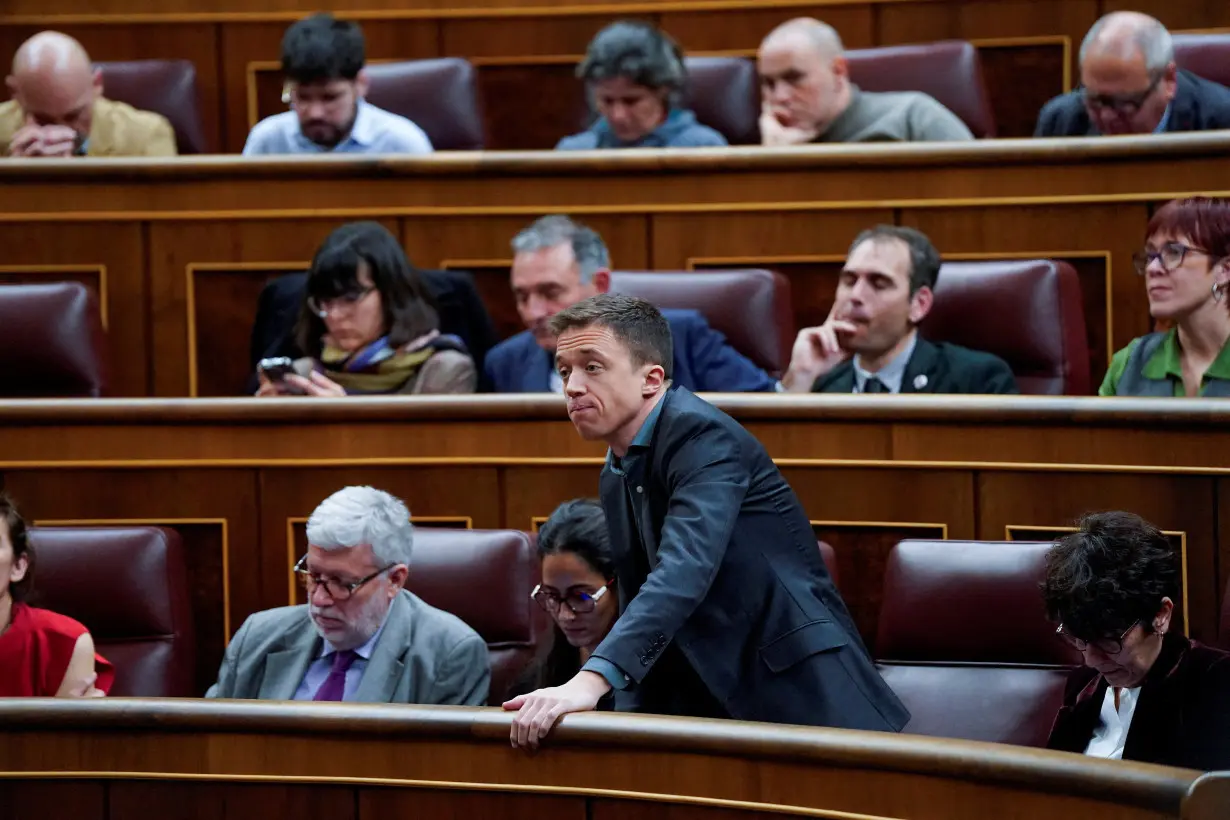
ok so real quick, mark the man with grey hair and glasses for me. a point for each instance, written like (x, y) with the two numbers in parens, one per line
(1131, 85)
(558, 262)
(361, 636)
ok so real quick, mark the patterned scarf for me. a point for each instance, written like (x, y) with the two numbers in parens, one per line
(378, 367)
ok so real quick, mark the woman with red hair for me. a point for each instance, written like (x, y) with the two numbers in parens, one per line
(1186, 267)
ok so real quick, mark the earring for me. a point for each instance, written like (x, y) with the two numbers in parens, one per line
(1218, 287)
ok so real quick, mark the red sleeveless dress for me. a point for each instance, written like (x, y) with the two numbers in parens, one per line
(35, 650)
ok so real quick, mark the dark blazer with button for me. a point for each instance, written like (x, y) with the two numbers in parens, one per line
(947, 368)
(461, 312)
(1182, 715)
(1198, 105)
(735, 582)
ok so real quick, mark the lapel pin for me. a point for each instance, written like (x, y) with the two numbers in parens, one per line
(920, 382)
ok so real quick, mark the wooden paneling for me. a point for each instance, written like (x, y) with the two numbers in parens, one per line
(136, 800)
(440, 804)
(21, 799)
(1017, 104)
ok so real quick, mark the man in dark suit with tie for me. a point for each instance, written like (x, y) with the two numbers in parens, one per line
(726, 609)
(1131, 85)
(559, 262)
(870, 341)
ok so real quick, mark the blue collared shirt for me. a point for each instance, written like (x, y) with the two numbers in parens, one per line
(891, 374)
(640, 443)
(375, 131)
(1161, 126)
(319, 670)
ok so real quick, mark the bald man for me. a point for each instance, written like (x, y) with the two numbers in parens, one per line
(807, 96)
(58, 109)
(1130, 85)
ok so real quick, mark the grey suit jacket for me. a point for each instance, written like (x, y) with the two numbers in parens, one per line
(424, 655)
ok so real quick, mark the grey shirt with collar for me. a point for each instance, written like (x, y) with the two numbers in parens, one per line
(894, 116)
(891, 374)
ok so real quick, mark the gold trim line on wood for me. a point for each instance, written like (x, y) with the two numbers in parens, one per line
(166, 522)
(886, 525)
(457, 785)
(1009, 529)
(517, 461)
(577, 208)
(52, 270)
(464, 13)
(828, 258)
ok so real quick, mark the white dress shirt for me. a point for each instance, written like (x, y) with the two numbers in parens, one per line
(1112, 729)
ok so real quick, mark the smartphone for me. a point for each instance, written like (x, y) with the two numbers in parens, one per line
(276, 369)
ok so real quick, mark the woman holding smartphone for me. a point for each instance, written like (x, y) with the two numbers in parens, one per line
(368, 325)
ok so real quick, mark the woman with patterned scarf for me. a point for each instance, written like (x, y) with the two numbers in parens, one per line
(369, 325)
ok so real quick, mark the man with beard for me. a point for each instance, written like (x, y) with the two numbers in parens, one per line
(870, 341)
(322, 60)
(58, 108)
(361, 636)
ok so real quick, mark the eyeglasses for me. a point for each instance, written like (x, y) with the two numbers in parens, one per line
(338, 590)
(1171, 255)
(323, 307)
(581, 603)
(1107, 646)
(1124, 104)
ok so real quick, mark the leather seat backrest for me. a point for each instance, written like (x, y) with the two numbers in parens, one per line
(964, 640)
(485, 578)
(129, 587)
(724, 94)
(51, 342)
(166, 87)
(1027, 312)
(750, 307)
(1205, 55)
(949, 70)
(439, 95)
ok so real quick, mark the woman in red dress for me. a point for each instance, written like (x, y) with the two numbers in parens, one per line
(42, 654)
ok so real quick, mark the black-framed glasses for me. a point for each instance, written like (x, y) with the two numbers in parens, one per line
(1107, 646)
(337, 589)
(322, 307)
(1171, 255)
(581, 603)
(1124, 104)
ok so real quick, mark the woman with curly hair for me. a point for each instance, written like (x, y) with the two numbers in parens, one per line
(1145, 692)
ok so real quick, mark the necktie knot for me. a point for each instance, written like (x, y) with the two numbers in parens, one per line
(343, 660)
(334, 686)
(874, 385)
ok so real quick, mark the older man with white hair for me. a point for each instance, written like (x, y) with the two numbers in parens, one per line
(807, 96)
(361, 636)
(1131, 85)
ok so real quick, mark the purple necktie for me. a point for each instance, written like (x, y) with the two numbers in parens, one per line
(334, 686)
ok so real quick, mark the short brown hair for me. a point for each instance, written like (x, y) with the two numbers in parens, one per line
(1203, 221)
(639, 325)
(21, 546)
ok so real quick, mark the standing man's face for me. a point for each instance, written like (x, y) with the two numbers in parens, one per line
(546, 281)
(605, 388)
(327, 109)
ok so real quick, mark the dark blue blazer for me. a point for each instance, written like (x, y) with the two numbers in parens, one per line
(1198, 105)
(718, 562)
(704, 362)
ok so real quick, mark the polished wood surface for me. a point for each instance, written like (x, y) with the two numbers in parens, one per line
(236, 477)
(142, 758)
(526, 50)
(186, 246)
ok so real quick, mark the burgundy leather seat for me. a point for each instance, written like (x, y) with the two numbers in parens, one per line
(964, 641)
(129, 586)
(750, 307)
(166, 87)
(51, 342)
(1205, 55)
(484, 577)
(949, 70)
(724, 94)
(1029, 313)
(440, 96)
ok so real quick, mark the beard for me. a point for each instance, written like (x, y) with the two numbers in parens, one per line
(355, 630)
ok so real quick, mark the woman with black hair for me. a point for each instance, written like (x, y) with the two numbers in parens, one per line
(577, 589)
(1146, 692)
(368, 325)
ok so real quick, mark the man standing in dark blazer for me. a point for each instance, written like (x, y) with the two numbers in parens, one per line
(726, 609)
(1131, 85)
(870, 341)
(559, 262)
